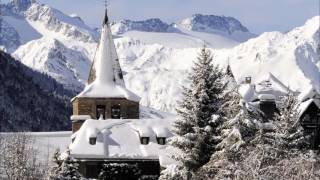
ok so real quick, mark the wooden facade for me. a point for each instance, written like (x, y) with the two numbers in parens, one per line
(269, 108)
(109, 108)
(310, 120)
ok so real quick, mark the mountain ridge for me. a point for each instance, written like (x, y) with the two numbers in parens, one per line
(155, 63)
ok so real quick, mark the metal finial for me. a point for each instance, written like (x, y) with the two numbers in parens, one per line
(106, 19)
(106, 4)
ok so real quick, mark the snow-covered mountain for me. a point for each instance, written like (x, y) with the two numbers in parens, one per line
(67, 66)
(156, 56)
(157, 73)
(293, 57)
(49, 41)
(209, 23)
(226, 26)
(216, 31)
(149, 25)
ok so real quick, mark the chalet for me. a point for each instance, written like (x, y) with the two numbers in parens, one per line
(106, 125)
(264, 94)
(309, 114)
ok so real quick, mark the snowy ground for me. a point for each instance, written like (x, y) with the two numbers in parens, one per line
(47, 142)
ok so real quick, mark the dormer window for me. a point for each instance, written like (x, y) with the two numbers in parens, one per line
(93, 140)
(248, 80)
(144, 140)
(161, 140)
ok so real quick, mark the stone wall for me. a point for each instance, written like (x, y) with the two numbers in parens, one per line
(87, 106)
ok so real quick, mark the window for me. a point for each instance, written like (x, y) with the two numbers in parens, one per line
(161, 140)
(101, 110)
(116, 112)
(144, 140)
(92, 140)
(248, 80)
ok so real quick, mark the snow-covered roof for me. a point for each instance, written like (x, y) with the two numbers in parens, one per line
(80, 117)
(304, 105)
(266, 97)
(308, 94)
(108, 81)
(119, 139)
(267, 88)
(102, 90)
(247, 92)
(271, 85)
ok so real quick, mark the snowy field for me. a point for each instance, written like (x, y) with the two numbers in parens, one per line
(47, 142)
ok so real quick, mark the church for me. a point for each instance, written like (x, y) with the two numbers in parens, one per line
(105, 94)
(107, 131)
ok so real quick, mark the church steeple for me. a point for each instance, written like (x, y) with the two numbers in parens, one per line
(105, 96)
(106, 58)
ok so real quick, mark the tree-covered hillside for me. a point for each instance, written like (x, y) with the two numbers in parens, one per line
(30, 100)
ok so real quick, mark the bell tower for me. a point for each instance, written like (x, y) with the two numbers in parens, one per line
(105, 95)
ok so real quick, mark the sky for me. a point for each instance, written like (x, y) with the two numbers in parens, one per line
(257, 15)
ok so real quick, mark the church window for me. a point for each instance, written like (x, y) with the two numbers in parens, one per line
(116, 112)
(101, 111)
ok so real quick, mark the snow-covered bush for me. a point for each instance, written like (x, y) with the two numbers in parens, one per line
(115, 171)
(173, 172)
(19, 159)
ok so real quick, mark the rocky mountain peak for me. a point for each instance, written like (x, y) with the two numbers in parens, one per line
(148, 25)
(22, 5)
(207, 23)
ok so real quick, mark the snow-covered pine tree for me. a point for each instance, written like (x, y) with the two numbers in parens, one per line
(68, 169)
(237, 130)
(56, 168)
(288, 125)
(195, 128)
(278, 146)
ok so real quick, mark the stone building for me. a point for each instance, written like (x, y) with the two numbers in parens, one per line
(105, 94)
(108, 134)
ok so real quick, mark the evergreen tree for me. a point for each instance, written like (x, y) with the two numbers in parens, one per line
(278, 147)
(288, 126)
(198, 114)
(239, 127)
(65, 169)
(56, 168)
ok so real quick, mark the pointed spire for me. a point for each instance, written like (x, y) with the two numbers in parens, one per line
(106, 78)
(106, 19)
(106, 65)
